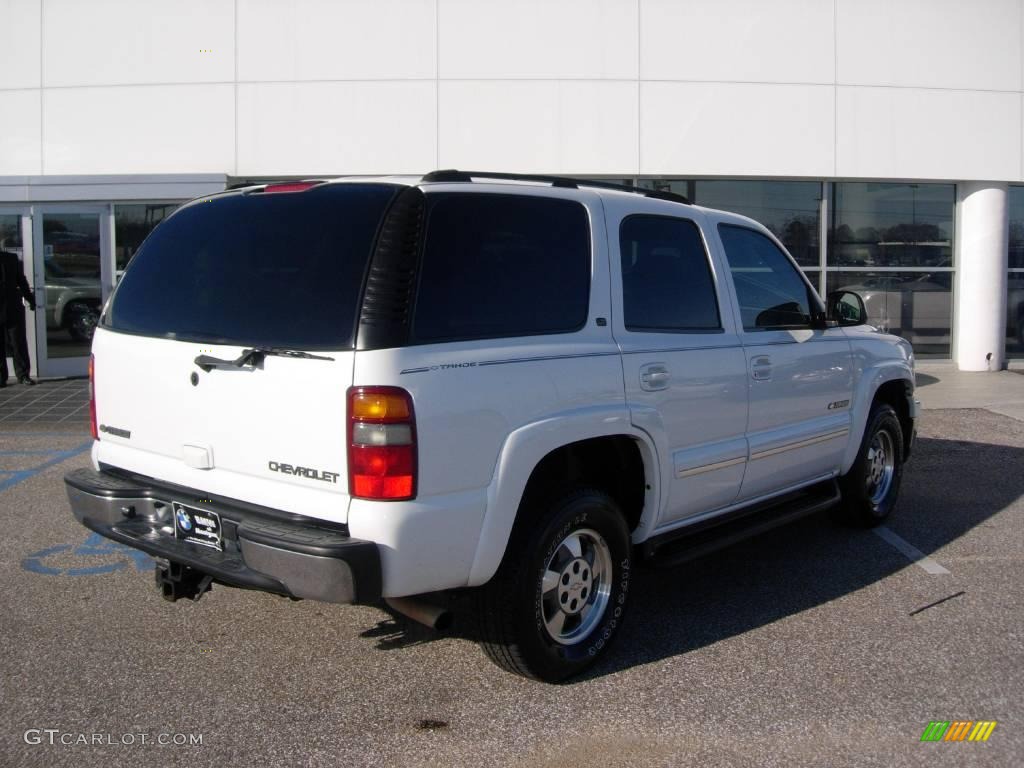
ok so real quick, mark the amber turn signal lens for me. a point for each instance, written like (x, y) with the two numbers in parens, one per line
(379, 405)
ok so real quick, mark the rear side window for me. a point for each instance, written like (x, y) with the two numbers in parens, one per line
(666, 279)
(279, 270)
(502, 265)
(770, 290)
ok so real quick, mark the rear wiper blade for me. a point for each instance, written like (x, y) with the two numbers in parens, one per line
(254, 357)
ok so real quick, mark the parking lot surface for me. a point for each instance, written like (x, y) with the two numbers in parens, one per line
(811, 645)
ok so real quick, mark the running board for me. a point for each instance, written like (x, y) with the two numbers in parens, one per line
(693, 541)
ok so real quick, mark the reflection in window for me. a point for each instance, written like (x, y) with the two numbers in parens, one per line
(1015, 315)
(914, 305)
(891, 225)
(1016, 204)
(132, 224)
(10, 233)
(769, 288)
(789, 209)
(1015, 292)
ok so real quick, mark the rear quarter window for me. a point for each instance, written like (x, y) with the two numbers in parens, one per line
(497, 265)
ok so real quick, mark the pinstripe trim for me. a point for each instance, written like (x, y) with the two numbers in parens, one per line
(482, 363)
(710, 467)
(800, 444)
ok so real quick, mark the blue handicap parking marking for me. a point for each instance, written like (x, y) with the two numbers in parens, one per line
(10, 478)
(48, 561)
(94, 546)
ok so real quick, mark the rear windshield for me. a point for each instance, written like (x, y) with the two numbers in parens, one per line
(279, 270)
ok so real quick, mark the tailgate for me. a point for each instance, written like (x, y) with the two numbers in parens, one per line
(273, 436)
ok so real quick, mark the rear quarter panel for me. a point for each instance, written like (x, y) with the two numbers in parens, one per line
(470, 397)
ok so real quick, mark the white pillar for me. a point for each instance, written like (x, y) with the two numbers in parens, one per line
(980, 318)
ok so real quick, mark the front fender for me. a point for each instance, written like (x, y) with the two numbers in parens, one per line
(524, 449)
(872, 376)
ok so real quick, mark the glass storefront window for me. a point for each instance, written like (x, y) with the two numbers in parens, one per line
(10, 233)
(1015, 290)
(915, 305)
(132, 224)
(891, 225)
(790, 209)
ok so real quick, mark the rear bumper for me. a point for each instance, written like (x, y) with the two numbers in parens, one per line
(262, 548)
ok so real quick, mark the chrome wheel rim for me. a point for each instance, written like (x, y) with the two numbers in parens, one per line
(881, 466)
(576, 586)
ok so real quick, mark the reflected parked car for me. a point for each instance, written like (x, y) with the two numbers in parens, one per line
(73, 302)
(917, 307)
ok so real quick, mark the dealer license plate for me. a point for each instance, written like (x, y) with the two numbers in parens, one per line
(197, 526)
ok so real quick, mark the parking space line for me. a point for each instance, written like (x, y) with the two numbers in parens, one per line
(915, 555)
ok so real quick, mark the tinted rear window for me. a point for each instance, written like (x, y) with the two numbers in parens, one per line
(281, 270)
(501, 266)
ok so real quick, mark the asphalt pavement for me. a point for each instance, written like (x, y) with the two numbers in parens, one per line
(812, 645)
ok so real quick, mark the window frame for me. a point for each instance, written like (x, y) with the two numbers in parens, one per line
(814, 305)
(720, 328)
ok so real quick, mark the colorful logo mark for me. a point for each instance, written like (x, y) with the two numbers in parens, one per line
(958, 730)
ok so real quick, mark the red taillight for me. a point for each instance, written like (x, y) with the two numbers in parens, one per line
(92, 399)
(381, 443)
(296, 186)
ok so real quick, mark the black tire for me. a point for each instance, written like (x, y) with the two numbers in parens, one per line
(82, 320)
(868, 497)
(514, 611)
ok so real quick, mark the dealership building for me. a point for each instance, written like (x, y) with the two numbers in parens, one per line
(881, 140)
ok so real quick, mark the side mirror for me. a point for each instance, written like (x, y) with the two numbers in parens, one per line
(846, 308)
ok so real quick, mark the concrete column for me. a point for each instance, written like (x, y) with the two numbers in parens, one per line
(980, 295)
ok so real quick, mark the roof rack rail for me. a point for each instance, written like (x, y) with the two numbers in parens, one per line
(452, 175)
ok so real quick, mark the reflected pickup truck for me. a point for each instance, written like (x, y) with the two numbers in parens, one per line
(489, 391)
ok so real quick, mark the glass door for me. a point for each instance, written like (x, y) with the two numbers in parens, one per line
(73, 276)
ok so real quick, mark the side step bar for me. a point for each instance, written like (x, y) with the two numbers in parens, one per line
(691, 542)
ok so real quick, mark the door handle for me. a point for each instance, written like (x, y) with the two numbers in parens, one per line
(654, 376)
(761, 368)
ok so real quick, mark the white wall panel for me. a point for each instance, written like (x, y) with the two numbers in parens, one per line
(328, 40)
(928, 134)
(19, 49)
(787, 41)
(137, 41)
(930, 43)
(20, 150)
(540, 127)
(538, 39)
(737, 129)
(336, 128)
(139, 129)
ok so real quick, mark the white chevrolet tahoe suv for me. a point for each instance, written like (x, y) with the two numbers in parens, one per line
(506, 389)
